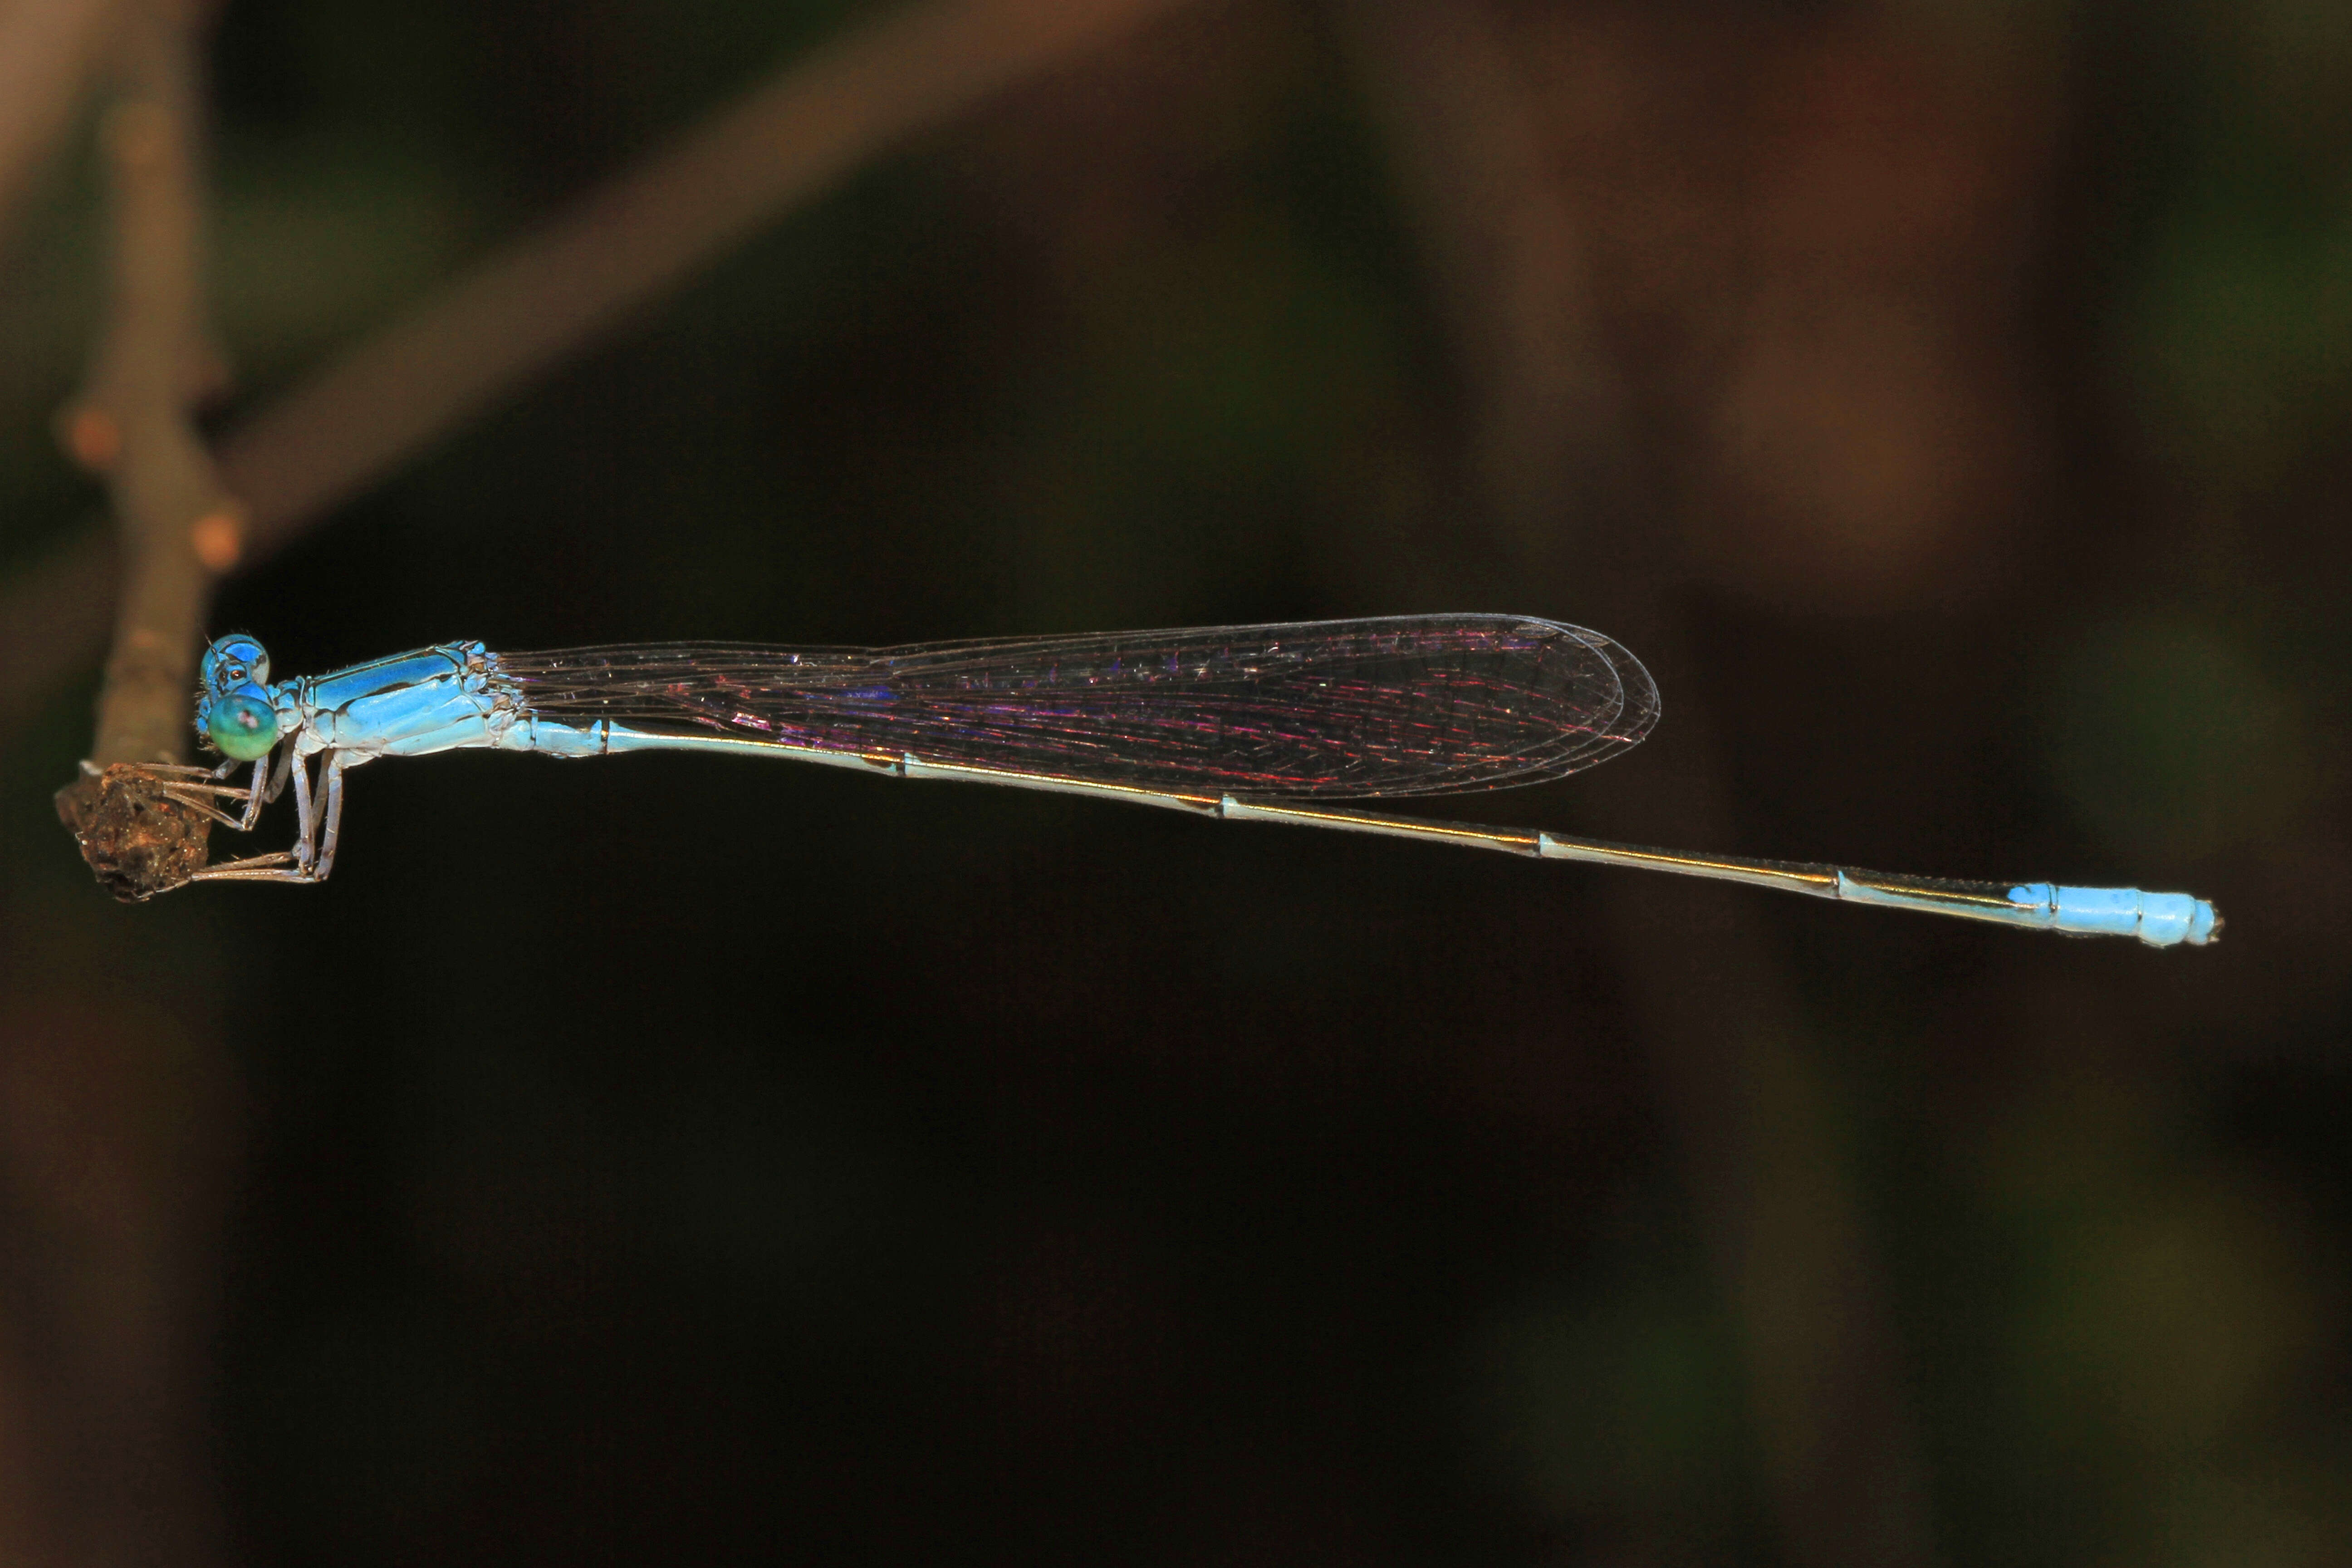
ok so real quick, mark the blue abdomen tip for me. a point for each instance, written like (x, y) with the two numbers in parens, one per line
(2159, 920)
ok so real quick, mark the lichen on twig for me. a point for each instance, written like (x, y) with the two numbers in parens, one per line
(136, 827)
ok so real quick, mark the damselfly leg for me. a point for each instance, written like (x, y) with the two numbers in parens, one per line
(319, 822)
(201, 790)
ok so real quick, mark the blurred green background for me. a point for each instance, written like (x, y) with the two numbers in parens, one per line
(678, 1160)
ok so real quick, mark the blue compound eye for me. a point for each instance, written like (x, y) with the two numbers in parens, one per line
(242, 724)
(232, 661)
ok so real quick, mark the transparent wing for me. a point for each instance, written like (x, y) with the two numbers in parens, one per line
(1409, 705)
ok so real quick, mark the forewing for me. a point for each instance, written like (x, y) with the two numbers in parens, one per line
(1414, 705)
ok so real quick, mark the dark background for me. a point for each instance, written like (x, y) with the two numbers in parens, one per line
(682, 1160)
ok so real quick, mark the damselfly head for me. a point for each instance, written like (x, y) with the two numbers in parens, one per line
(233, 662)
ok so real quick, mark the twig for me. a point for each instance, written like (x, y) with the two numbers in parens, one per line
(176, 526)
(115, 1123)
(549, 295)
(46, 50)
(131, 422)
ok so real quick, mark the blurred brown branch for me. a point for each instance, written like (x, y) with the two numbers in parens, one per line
(48, 48)
(1753, 1110)
(1504, 251)
(548, 295)
(1466, 104)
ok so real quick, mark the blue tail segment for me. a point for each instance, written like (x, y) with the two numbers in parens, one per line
(2159, 920)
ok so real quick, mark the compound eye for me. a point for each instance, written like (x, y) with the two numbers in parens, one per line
(232, 661)
(242, 726)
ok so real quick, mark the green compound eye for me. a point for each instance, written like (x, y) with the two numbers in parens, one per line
(242, 727)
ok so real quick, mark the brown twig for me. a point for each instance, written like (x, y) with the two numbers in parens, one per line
(131, 422)
(48, 48)
(102, 1194)
(548, 296)
(175, 525)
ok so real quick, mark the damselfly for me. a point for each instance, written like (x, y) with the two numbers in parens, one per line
(1267, 723)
